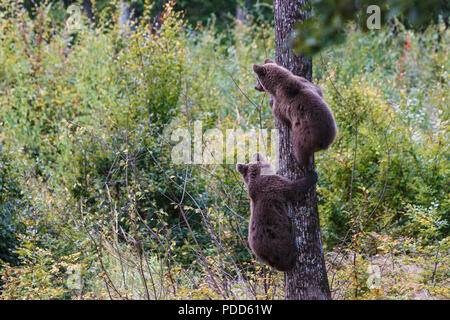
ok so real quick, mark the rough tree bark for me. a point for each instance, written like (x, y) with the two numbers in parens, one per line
(308, 280)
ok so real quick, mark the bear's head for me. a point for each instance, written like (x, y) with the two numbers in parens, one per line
(275, 79)
(258, 85)
(259, 166)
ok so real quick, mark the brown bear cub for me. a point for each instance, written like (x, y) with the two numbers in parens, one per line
(270, 232)
(298, 103)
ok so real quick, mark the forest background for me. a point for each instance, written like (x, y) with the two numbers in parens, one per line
(93, 207)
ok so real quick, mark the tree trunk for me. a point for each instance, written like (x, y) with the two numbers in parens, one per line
(124, 15)
(308, 280)
(87, 7)
(242, 11)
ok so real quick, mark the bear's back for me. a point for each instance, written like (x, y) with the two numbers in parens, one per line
(270, 234)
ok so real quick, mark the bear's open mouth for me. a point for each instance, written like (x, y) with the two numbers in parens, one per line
(259, 86)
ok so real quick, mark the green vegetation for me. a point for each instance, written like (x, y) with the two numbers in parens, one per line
(92, 207)
(330, 19)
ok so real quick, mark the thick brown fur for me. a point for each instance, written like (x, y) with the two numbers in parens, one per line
(298, 103)
(270, 234)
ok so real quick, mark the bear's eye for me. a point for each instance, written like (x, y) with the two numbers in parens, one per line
(262, 72)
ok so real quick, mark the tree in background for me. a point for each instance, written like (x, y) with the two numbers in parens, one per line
(220, 12)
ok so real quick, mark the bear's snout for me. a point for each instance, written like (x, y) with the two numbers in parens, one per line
(241, 168)
(259, 87)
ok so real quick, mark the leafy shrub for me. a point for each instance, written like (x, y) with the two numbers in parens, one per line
(9, 207)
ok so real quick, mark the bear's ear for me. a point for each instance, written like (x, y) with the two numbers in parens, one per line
(291, 88)
(259, 70)
(242, 168)
(268, 61)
